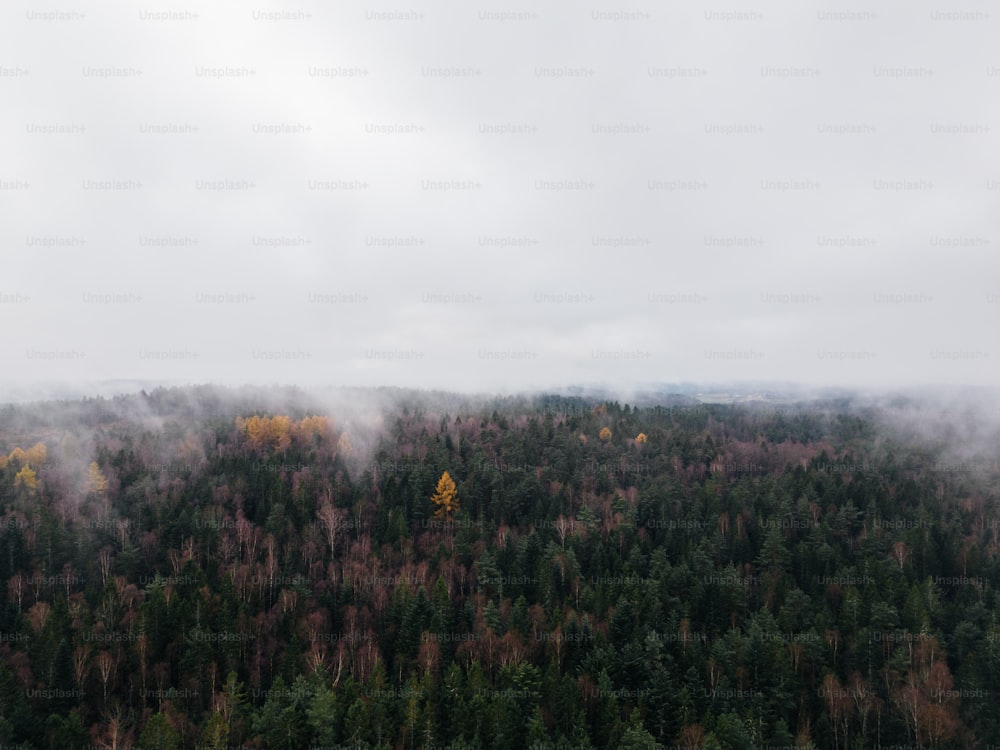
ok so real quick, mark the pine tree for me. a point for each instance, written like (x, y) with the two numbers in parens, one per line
(538, 738)
(62, 679)
(215, 736)
(636, 737)
(158, 734)
(64, 732)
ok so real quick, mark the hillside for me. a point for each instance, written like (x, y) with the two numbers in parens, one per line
(265, 568)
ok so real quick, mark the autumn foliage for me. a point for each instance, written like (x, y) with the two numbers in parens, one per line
(35, 456)
(26, 461)
(96, 483)
(276, 434)
(445, 497)
(26, 478)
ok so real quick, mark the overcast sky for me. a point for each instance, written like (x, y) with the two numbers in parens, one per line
(479, 195)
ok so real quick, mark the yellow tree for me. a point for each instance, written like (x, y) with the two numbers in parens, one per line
(281, 428)
(310, 426)
(36, 454)
(641, 437)
(26, 478)
(344, 445)
(96, 483)
(445, 497)
(270, 433)
(605, 434)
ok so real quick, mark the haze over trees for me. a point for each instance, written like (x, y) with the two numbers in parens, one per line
(209, 568)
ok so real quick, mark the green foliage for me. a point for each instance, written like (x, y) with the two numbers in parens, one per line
(635, 736)
(159, 734)
(68, 732)
(592, 593)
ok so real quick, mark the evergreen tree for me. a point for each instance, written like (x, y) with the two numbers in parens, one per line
(158, 734)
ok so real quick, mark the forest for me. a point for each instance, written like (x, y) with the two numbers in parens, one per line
(205, 567)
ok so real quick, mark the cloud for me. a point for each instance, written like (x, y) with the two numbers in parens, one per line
(491, 198)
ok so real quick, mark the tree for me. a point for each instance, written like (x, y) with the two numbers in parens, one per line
(900, 553)
(282, 721)
(116, 731)
(839, 708)
(692, 737)
(445, 497)
(537, 736)
(18, 456)
(271, 433)
(106, 666)
(605, 434)
(96, 483)
(325, 716)
(636, 737)
(26, 478)
(62, 678)
(344, 446)
(159, 734)
(66, 731)
(333, 521)
(36, 454)
(214, 737)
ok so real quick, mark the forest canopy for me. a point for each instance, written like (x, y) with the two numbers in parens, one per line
(210, 568)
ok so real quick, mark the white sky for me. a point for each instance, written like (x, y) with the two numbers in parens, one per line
(682, 195)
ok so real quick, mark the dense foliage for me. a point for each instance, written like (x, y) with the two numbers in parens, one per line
(181, 570)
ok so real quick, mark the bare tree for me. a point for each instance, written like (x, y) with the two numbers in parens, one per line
(15, 586)
(81, 664)
(117, 729)
(333, 520)
(104, 562)
(106, 665)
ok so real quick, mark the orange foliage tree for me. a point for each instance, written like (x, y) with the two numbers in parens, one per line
(276, 433)
(26, 478)
(445, 497)
(96, 483)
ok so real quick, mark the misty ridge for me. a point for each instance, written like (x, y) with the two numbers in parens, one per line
(947, 432)
(957, 426)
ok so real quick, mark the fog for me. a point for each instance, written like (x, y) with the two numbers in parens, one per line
(954, 430)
